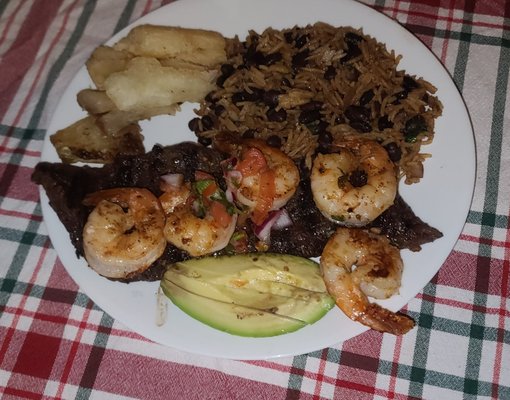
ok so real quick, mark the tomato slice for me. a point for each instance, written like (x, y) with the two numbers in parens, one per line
(252, 162)
(202, 175)
(210, 190)
(220, 214)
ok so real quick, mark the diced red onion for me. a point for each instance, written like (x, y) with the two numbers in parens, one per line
(283, 220)
(173, 180)
(277, 219)
(229, 195)
(195, 206)
(233, 179)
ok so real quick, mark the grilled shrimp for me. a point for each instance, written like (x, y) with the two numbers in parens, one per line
(355, 185)
(263, 178)
(356, 264)
(123, 235)
(199, 218)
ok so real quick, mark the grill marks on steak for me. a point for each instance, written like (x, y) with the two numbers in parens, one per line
(309, 231)
(404, 229)
(66, 186)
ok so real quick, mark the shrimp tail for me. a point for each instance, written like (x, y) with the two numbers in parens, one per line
(383, 320)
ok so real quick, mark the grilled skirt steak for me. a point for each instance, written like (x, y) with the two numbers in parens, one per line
(66, 186)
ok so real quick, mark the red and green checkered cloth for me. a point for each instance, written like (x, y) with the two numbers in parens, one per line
(55, 343)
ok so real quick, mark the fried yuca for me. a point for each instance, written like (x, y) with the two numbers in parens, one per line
(194, 46)
(146, 83)
(149, 72)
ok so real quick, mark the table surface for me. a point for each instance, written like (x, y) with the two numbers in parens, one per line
(56, 343)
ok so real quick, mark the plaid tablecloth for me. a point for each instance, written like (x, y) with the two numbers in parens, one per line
(55, 343)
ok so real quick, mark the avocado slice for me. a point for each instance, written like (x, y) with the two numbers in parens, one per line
(231, 318)
(255, 295)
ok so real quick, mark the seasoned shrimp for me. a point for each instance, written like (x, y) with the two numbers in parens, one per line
(199, 218)
(263, 178)
(123, 235)
(355, 185)
(356, 264)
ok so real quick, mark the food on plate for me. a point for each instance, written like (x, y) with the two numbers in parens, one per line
(104, 61)
(254, 295)
(146, 83)
(354, 184)
(355, 264)
(94, 101)
(123, 234)
(112, 120)
(306, 87)
(193, 46)
(403, 228)
(199, 217)
(85, 141)
(299, 131)
(150, 72)
(67, 185)
(262, 178)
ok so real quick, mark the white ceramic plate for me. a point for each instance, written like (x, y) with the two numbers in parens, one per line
(442, 198)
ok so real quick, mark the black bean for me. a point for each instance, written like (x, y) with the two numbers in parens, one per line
(366, 97)
(204, 141)
(194, 125)
(289, 38)
(219, 109)
(207, 122)
(273, 58)
(409, 83)
(352, 38)
(209, 97)
(274, 141)
(299, 59)
(249, 134)
(359, 118)
(339, 119)
(318, 127)
(301, 40)
(357, 113)
(254, 95)
(220, 81)
(361, 126)
(330, 73)
(239, 97)
(324, 139)
(351, 53)
(312, 105)
(259, 58)
(253, 56)
(270, 97)
(394, 152)
(306, 117)
(276, 116)
(358, 178)
(227, 70)
(384, 123)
